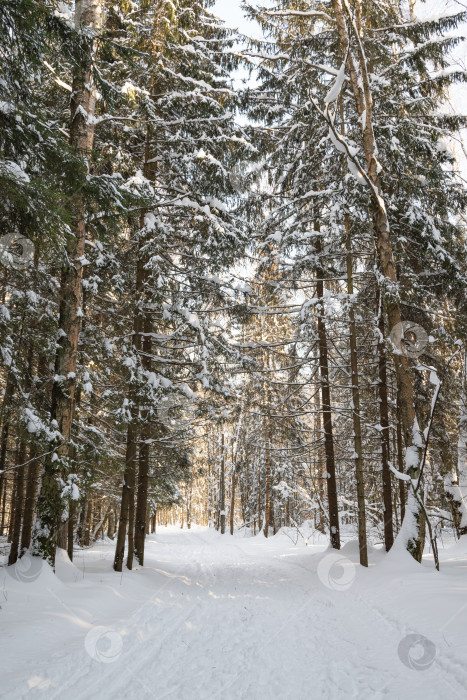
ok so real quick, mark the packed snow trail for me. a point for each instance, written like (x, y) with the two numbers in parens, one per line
(213, 616)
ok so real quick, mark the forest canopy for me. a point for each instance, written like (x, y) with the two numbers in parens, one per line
(241, 305)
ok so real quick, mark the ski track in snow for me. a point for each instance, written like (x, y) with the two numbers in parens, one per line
(213, 616)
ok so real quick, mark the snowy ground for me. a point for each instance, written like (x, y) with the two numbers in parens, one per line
(235, 618)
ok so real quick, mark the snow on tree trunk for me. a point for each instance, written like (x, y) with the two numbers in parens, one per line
(455, 484)
(384, 420)
(356, 420)
(331, 483)
(222, 487)
(29, 501)
(350, 45)
(127, 496)
(82, 106)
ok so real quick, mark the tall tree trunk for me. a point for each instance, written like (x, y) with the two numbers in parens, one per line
(358, 72)
(400, 462)
(131, 517)
(320, 470)
(3, 489)
(334, 531)
(70, 533)
(81, 523)
(188, 514)
(146, 363)
(111, 524)
(268, 475)
(232, 496)
(143, 468)
(127, 495)
(127, 507)
(82, 105)
(357, 427)
(11, 522)
(142, 493)
(259, 501)
(210, 490)
(455, 484)
(29, 500)
(88, 522)
(23, 528)
(385, 442)
(4, 433)
(18, 503)
(62, 535)
(222, 488)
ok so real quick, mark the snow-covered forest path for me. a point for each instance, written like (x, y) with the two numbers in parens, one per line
(221, 617)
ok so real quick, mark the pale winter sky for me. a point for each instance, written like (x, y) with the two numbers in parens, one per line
(231, 12)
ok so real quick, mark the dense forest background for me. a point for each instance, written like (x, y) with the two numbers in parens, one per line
(240, 305)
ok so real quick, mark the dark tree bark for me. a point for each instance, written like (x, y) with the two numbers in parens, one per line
(82, 105)
(127, 495)
(347, 28)
(29, 500)
(88, 523)
(70, 534)
(385, 442)
(232, 500)
(142, 345)
(18, 503)
(111, 524)
(326, 409)
(62, 535)
(357, 427)
(3, 489)
(81, 523)
(400, 464)
(222, 489)
(131, 517)
(4, 433)
(268, 477)
(143, 469)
